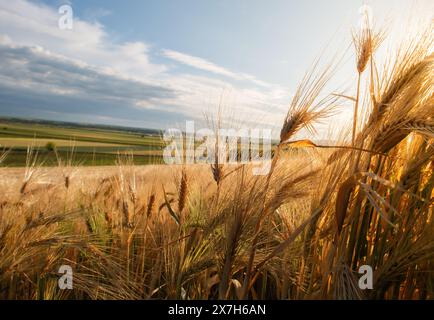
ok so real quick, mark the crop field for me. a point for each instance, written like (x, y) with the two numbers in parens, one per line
(83, 146)
(95, 212)
(303, 230)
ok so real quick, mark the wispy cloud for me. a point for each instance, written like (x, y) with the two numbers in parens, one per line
(203, 64)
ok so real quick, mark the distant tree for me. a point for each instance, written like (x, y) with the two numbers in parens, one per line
(50, 146)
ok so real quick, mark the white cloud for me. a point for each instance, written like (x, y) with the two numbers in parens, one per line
(36, 24)
(86, 63)
(203, 64)
(199, 63)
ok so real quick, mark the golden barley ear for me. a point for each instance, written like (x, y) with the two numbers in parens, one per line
(305, 143)
(67, 182)
(183, 191)
(167, 204)
(307, 106)
(151, 206)
(343, 200)
(217, 173)
(366, 42)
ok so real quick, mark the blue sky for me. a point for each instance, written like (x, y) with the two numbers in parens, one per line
(156, 63)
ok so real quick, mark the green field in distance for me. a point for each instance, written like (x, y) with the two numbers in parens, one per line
(84, 145)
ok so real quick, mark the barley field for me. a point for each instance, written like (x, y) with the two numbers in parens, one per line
(215, 231)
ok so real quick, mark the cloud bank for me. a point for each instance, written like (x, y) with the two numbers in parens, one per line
(84, 75)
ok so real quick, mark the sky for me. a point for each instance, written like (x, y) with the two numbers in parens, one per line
(157, 63)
